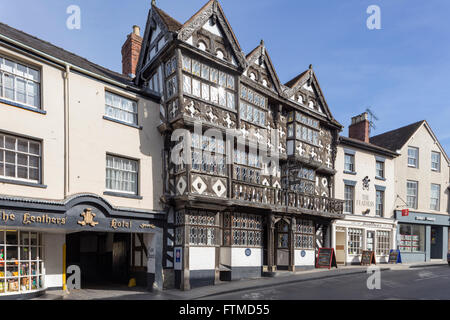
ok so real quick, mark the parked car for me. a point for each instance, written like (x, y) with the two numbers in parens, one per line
(448, 258)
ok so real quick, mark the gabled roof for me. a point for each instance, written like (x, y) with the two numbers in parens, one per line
(395, 139)
(309, 75)
(171, 24)
(255, 54)
(61, 54)
(366, 146)
(211, 8)
(293, 82)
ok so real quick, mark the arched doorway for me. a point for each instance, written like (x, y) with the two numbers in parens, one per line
(282, 245)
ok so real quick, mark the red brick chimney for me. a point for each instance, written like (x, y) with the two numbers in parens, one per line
(359, 129)
(130, 52)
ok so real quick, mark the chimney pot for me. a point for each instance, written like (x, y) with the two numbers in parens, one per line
(137, 30)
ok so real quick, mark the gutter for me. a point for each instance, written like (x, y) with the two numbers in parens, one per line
(76, 68)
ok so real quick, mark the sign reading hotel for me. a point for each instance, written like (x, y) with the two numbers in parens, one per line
(86, 220)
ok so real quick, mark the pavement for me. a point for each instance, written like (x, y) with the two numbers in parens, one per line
(228, 288)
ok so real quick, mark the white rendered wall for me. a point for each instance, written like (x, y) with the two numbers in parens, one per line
(307, 260)
(202, 258)
(53, 259)
(239, 259)
(225, 256)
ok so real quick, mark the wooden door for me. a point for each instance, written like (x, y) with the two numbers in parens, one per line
(340, 247)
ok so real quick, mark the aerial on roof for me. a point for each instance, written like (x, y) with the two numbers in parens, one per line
(61, 54)
(395, 139)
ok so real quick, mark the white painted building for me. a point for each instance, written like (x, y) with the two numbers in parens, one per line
(365, 179)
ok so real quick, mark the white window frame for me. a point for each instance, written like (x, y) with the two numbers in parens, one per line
(355, 241)
(379, 207)
(377, 170)
(110, 108)
(437, 168)
(17, 152)
(347, 201)
(22, 75)
(135, 173)
(415, 196)
(352, 163)
(437, 199)
(415, 158)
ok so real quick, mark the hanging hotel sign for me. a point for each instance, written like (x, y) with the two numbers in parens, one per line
(82, 219)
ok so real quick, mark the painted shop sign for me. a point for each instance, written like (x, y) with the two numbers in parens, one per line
(365, 202)
(425, 218)
(86, 219)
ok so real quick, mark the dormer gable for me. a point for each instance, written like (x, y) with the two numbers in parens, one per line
(261, 70)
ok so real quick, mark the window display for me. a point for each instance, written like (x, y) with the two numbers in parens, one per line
(21, 261)
(411, 238)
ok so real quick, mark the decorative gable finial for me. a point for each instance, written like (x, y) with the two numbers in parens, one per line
(153, 3)
(215, 6)
(310, 67)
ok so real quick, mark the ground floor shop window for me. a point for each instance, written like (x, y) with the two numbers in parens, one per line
(383, 242)
(355, 238)
(21, 261)
(412, 238)
(304, 234)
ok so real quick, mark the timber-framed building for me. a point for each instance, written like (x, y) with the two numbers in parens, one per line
(242, 214)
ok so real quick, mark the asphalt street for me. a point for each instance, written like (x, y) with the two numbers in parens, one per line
(418, 283)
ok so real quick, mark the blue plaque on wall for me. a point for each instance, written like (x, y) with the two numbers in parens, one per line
(248, 252)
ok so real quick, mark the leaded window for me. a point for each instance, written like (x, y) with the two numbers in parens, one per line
(304, 234)
(242, 229)
(201, 228)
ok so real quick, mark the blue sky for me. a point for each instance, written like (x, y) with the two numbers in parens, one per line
(402, 72)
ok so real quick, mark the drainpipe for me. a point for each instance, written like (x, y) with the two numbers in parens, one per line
(66, 132)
